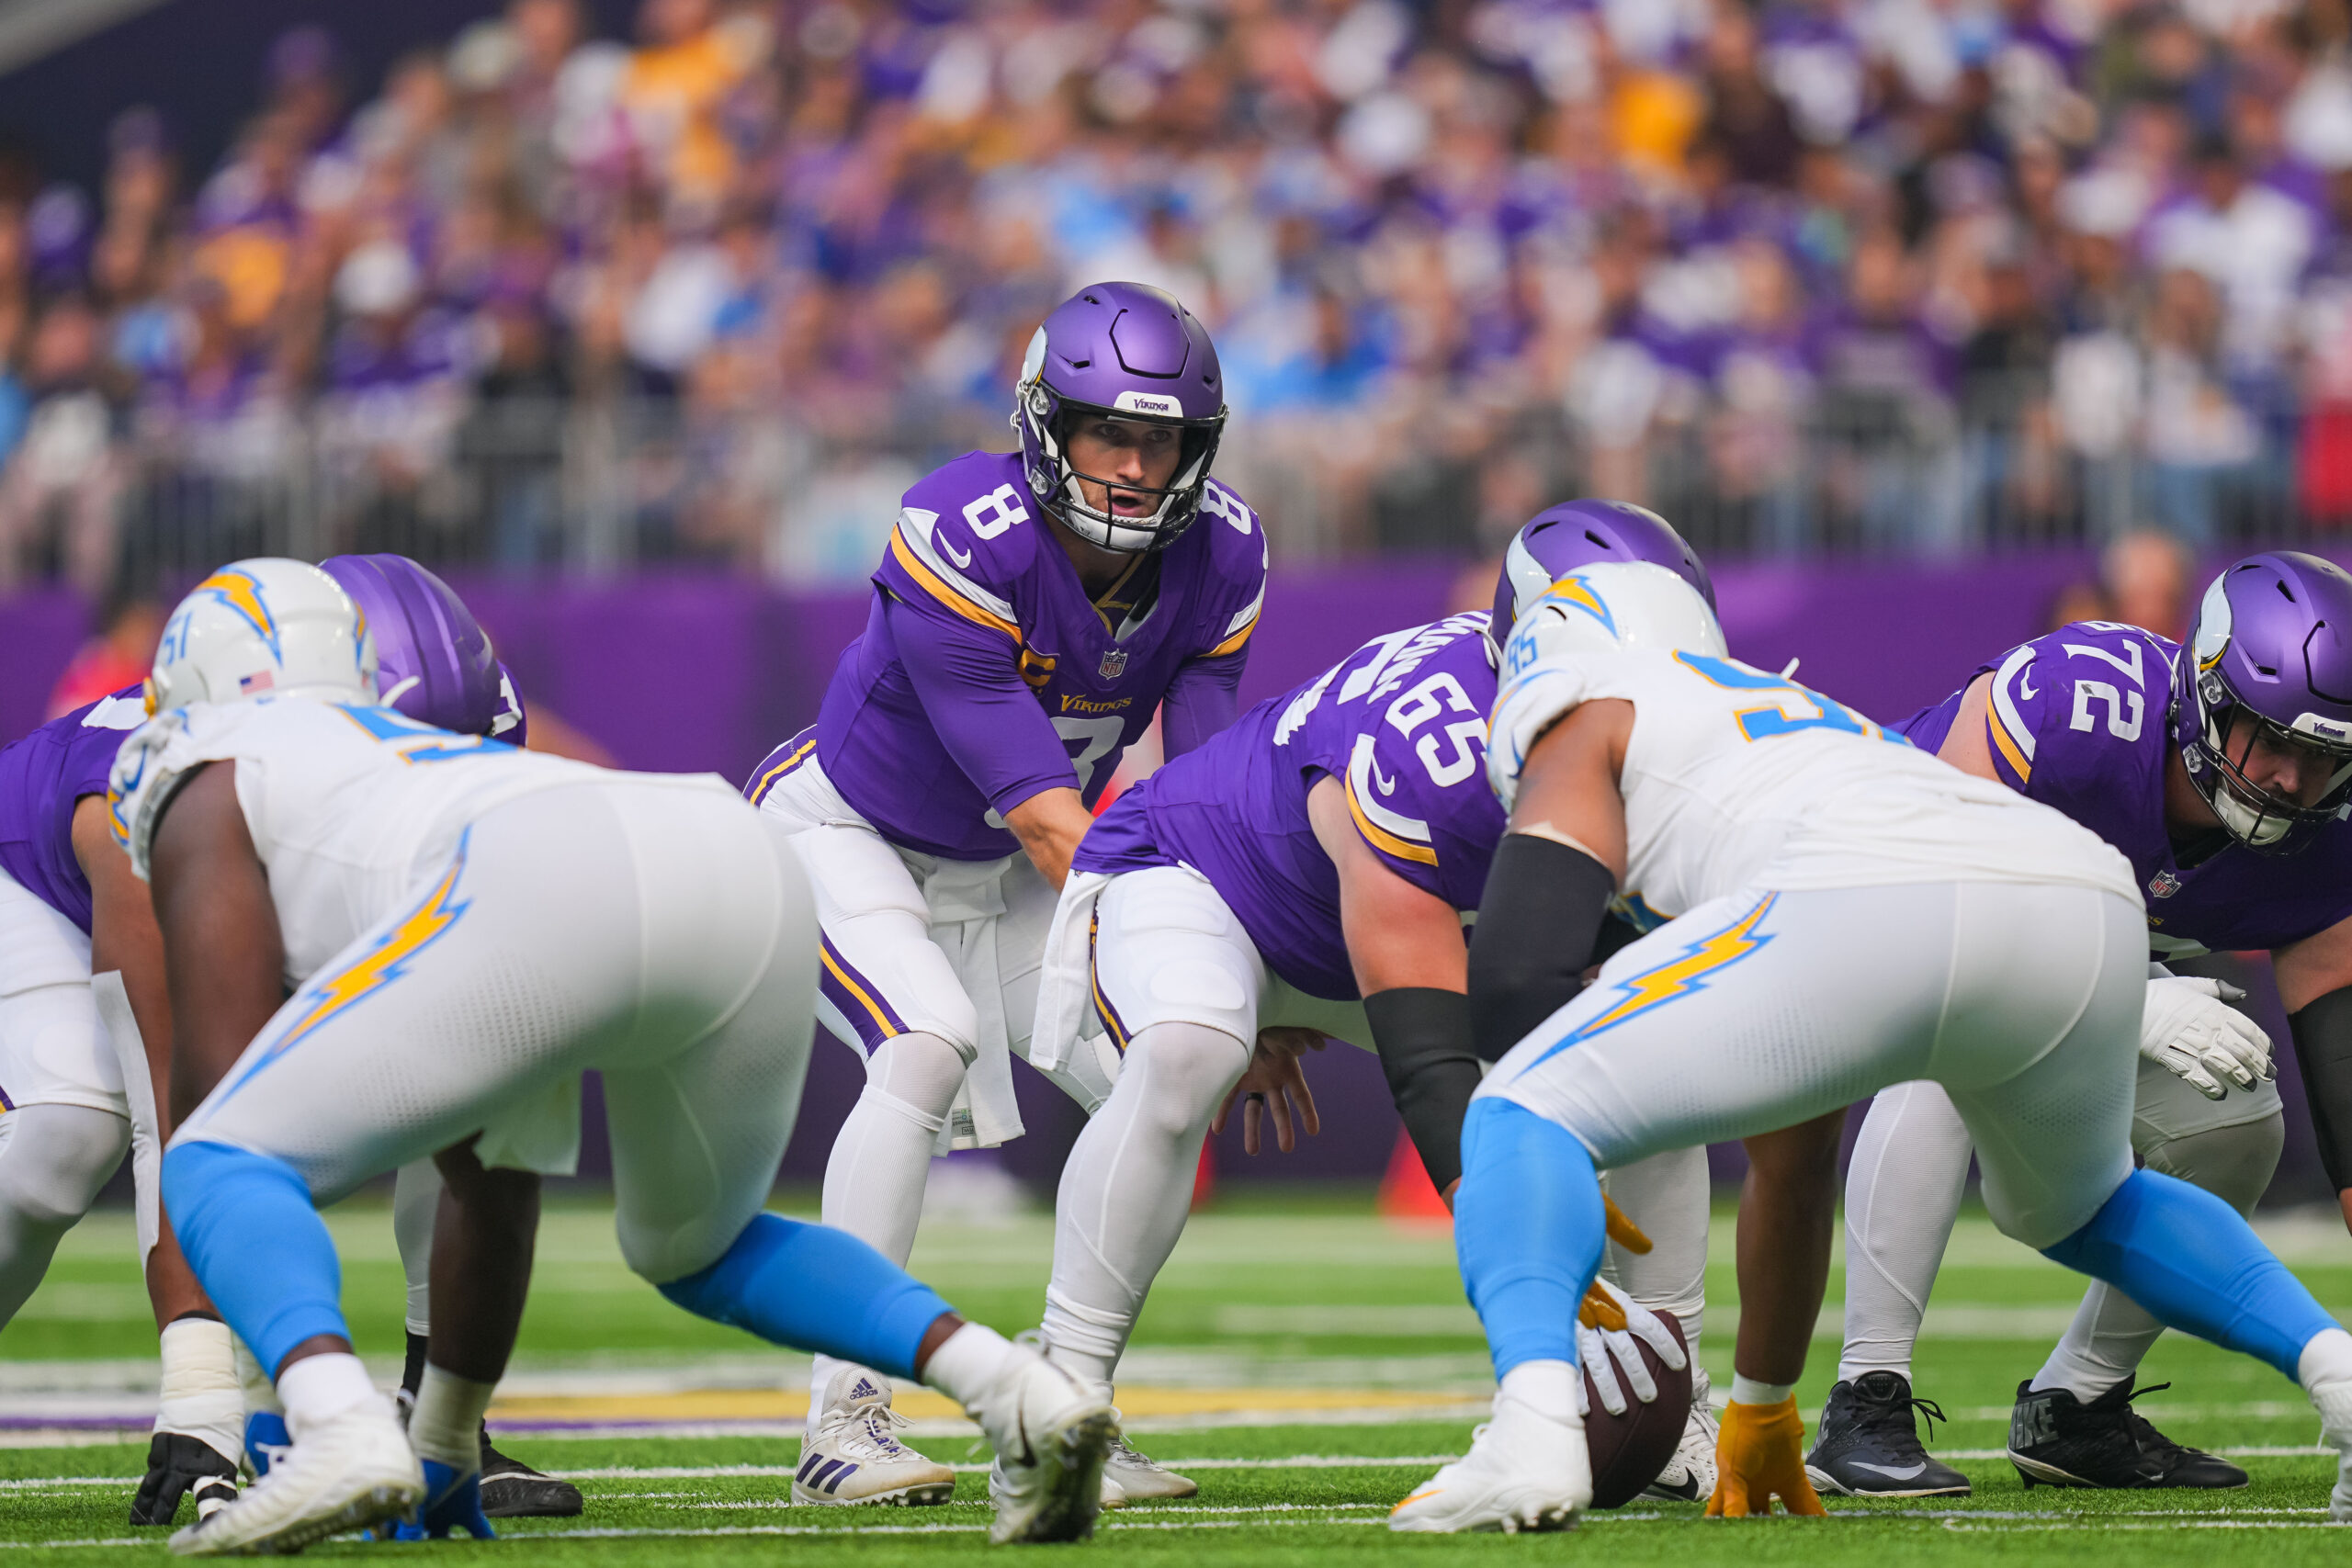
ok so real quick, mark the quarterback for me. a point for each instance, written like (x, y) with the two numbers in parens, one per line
(1307, 873)
(1844, 912)
(2219, 773)
(1032, 612)
(463, 928)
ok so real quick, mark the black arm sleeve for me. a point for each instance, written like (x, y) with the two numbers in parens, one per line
(1423, 1037)
(1537, 924)
(2323, 1033)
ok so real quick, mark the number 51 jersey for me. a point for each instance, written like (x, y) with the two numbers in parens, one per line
(2079, 720)
(1737, 779)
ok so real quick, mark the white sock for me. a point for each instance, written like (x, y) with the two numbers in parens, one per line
(1548, 1388)
(254, 1383)
(446, 1423)
(200, 1395)
(417, 1200)
(966, 1367)
(881, 1158)
(319, 1388)
(1127, 1189)
(1901, 1195)
(2326, 1362)
(1747, 1391)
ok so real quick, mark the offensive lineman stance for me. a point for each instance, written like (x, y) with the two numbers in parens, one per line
(2219, 777)
(466, 926)
(1304, 873)
(1849, 914)
(1035, 607)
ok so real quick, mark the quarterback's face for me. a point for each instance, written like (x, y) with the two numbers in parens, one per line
(1109, 454)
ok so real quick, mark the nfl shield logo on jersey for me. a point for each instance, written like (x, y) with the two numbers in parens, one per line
(1113, 665)
(2164, 885)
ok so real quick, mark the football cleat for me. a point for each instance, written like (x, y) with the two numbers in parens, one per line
(513, 1489)
(1051, 1437)
(181, 1466)
(2057, 1440)
(452, 1502)
(852, 1454)
(1130, 1477)
(1869, 1443)
(2333, 1401)
(348, 1472)
(1524, 1471)
(1689, 1475)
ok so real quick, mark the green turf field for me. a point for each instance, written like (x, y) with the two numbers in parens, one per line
(1305, 1362)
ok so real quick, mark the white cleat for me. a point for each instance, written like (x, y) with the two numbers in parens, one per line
(1051, 1437)
(2334, 1403)
(345, 1473)
(852, 1454)
(1524, 1471)
(1689, 1475)
(1130, 1477)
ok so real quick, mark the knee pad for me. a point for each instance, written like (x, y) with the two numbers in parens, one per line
(918, 1075)
(1186, 1069)
(56, 1158)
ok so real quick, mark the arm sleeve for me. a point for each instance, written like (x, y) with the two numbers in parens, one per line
(2323, 1031)
(1536, 930)
(1204, 698)
(1423, 1038)
(984, 715)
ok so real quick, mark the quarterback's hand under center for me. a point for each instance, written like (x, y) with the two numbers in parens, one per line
(1759, 1455)
(1608, 1350)
(1275, 1084)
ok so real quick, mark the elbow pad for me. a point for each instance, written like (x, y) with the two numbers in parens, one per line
(1423, 1038)
(2323, 1031)
(1538, 923)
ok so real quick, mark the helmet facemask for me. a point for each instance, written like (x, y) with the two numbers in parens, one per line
(1047, 420)
(2262, 821)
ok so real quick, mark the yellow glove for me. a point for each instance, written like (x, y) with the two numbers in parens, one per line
(1599, 1311)
(1759, 1455)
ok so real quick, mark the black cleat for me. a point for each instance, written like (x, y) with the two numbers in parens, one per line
(513, 1489)
(1868, 1445)
(180, 1466)
(2057, 1440)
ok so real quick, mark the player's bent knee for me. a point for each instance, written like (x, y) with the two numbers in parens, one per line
(56, 1160)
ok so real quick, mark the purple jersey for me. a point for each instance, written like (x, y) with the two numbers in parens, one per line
(41, 777)
(986, 674)
(2077, 720)
(1401, 723)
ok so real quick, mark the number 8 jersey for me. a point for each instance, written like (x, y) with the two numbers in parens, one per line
(1735, 779)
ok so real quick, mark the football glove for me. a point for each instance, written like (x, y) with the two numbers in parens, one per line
(1608, 1349)
(1759, 1455)
(452, 1502)
(2190, 1029)
(177, 1466)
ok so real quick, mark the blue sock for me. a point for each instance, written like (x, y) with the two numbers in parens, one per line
(2192, 1262)
(1528, 1227)
(257, 1245)
(814, 1287)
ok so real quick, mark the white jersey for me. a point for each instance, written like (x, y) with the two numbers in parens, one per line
(349, 806)
(1735, 779)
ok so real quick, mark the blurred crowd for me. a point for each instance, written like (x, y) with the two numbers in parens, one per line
(1915, 275)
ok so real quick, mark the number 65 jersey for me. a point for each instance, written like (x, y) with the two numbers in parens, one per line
(2079, 721)
(1737, 779)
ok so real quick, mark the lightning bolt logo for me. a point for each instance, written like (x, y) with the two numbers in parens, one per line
(378, 966)
(1677, 976)
(241, 591)
(1577, 591)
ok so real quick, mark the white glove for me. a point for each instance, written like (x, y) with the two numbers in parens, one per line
(1604, 1352)
(2190, 1031)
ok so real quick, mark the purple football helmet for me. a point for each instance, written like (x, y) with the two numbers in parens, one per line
(2273, 636)
(1131, 352)
(433, 662)
(1561, 539)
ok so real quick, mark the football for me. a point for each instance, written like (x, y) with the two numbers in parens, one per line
(1629, 1451)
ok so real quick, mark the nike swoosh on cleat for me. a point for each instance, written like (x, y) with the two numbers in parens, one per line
(1415, 1499)
(1888, 1470)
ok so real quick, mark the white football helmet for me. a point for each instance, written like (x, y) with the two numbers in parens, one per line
(1609, 606)
(260, 628)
